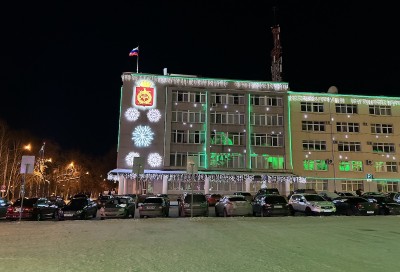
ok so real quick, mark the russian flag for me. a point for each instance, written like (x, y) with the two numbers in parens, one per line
(134, 52)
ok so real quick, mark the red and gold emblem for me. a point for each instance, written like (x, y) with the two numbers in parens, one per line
(144, 96)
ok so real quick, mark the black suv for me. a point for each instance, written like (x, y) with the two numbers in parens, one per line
(200, 205)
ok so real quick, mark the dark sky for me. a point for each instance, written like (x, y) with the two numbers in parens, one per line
(61, 63)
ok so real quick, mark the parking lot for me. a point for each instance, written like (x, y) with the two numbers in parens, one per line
(300, 243)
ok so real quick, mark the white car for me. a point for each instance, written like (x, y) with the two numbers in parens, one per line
(310, 204)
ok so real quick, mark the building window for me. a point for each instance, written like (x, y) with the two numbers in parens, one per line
(317, 184)
(265, 161)
(270, 140)
(178, 137)
(350, 166)
(383, 147)
(260, 100)
(233, 118)
(346, 108)
(179, 159)
(313, 126)
(188, 117)
(312, 107)
(387, 187)
(352, 185)
(314, 145)
(385, 167)
(349, 146)
(315, 165)
(347, 127)
(380, 110)
(381, 129)
(266, 120)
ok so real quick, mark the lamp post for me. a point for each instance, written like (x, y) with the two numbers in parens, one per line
(191, 200)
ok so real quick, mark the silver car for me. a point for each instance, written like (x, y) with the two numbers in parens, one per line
(310, 204)
(233, 205)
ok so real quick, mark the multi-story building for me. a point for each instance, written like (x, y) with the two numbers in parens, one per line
(345, 142)
(203, 134)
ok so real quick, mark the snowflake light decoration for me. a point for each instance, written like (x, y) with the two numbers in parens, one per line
(142, 136)
(129, 158)
(154, 159)
(154, 115)
(132, 114)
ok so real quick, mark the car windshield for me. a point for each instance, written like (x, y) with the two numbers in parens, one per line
(314, 198)
(275, 199)
(28, 202)
(356, 200)
(77, 203)
(153, 200)
(237, 198)
(196, 198)
(244, 194)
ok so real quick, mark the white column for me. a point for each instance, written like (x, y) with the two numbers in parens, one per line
(165, 184)
(121, 184)
(248, 180)
(206, 185)
(125, 186)
(287, 188)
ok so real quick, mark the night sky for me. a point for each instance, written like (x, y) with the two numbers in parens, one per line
(61, 64)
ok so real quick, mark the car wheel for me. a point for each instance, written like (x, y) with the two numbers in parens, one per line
(225, 213)
(216, 213)
(126, 214)
(291, 211)
(38, 217)
(308, 212)
(56, 216)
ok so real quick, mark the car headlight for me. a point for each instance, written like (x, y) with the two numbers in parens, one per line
(79, 211)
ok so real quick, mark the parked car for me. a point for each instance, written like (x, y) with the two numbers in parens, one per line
(346, 194)
(310, 204)
(4, 204)
(354, 205)
(79, 208)
(118, 207)
(44, 208)
(199, 208)
(16, 211)
(166, 197)
(57, 200)
(212, 199)
(33, 208)
(385, 205)
(267, 191)
(233, 205)
(394, 196)
(247, 195)
(140, 199)
(154, 206)
(302, 191)
(270, 204)
(102, 199)
(330, 196)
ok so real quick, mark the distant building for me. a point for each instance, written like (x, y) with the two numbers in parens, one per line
(345, 142)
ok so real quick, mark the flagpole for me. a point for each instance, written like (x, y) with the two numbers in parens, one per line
(137, 62)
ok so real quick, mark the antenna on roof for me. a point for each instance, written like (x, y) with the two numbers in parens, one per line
(276, 53)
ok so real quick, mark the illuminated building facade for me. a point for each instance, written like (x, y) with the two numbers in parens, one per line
(345, 142)
(230, 132)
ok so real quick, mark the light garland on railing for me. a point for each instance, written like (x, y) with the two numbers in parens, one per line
(208, 83)
(214, 178)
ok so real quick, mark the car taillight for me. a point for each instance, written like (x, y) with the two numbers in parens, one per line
(267, 205)
(10, 209)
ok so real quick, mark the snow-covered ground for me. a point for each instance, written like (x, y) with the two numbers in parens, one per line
(203, 244)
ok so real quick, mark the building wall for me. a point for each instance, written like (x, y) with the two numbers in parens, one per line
(352, 139)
